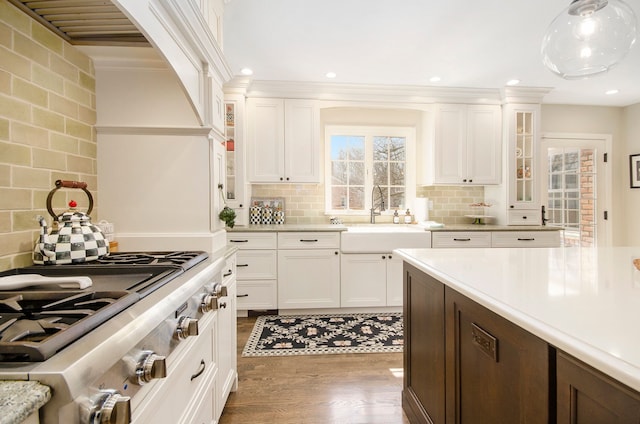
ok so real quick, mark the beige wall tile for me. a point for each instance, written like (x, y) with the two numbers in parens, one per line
(5, 175)
(28, 48)
(14, 63)
(48, 119)
(78, 59)
(24, 221)
(11, 199)
(76, 93)
(11, 108)
(88, 148)
(87, 114)
(16, 242)
(23, 177)
(43, 77)
(15, 154)
(5, 82)
(29, 135)
(18, 19)
(50, 41)
(80, 164)
(4, 129)
(48, 159)
(6, 35)
(78, 129)
(42, 80)
(5, 221)
(86, 81)
(64, 106)
(63, 68)
(65, 143)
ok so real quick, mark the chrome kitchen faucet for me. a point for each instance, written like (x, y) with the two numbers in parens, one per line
(373, 204)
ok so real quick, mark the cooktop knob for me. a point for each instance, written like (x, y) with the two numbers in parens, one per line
(209, 303)
(110, 407)
(187, 327)
(151, 366)
(219, 290)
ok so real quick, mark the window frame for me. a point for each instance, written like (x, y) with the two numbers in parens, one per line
(369, 131)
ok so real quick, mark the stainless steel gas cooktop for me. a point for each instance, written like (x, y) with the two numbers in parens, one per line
(38, 321)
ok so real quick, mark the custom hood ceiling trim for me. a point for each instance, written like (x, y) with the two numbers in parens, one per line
(85, 22)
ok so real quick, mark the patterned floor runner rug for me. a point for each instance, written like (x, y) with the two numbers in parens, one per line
(325, 334)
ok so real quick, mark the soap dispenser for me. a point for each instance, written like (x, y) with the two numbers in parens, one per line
(396, 217)
(407, 217)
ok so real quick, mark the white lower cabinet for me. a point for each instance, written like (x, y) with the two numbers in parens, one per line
(525, 239)
(189, 382)
(308, 270)
(370, 279)
(539, 238)
(256, 270)
(461, 239)
(227, 380)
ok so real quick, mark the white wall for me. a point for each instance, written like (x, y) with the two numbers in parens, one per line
(599, 120)
(631, 197)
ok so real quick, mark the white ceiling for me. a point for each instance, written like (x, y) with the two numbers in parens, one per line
(468, 43)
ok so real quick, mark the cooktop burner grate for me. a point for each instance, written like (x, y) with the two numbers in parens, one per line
(182, 259)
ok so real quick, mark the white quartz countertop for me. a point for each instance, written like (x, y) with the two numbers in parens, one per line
(287, 227)
(584, 301)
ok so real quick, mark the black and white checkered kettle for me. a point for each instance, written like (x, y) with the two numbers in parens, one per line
(73, 238)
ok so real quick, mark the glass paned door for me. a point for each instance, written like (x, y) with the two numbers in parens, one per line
(574, 195)
(525, 175)
(230, 132)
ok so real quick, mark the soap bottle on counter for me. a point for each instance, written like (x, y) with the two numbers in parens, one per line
(407, 217)
(396, 217)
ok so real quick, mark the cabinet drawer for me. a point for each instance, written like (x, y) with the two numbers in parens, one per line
(256, 265)
(309, 240)
(189, 373)
(461, 239)
(229, 271)
(252, 240)
(525, 239)
(257, 295)
(525, 217)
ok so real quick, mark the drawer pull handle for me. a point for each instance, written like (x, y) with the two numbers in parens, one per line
(239, 241)
(526, 239)
(242, 295)
(226, 274)
(309, 240)
(461, 239)
(485, 342)
(200, 371)
(242, 265)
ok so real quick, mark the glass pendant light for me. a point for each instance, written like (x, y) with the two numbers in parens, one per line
(588, 38)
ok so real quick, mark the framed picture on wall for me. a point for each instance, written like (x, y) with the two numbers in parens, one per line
(634, 170)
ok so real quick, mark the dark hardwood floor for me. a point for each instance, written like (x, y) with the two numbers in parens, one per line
(315, 389)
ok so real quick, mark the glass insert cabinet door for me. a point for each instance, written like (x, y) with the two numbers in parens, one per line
(230, 132)
(524, 158)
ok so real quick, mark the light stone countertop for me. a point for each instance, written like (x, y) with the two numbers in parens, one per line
(584, 301)
(344, 227)
(287, 227)
(19, 399)
(491, 227)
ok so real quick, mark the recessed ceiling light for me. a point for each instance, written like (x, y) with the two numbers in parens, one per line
(614, 91)
(512, 82)
(434, 79)
(331, 75)
(246, 71)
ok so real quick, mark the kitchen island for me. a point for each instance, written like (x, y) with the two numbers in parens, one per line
(577, 306)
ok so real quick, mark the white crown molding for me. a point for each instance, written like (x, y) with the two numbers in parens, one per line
(372, 93)
(524, 94)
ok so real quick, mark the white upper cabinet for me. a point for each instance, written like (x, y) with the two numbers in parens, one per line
(467, 148)
(283, 141)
